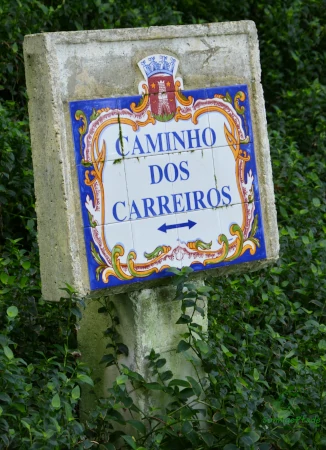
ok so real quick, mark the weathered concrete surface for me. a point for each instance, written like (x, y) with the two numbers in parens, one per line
(89, 64)
(147, 320)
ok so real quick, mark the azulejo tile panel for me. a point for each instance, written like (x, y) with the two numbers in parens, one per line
(167, 178)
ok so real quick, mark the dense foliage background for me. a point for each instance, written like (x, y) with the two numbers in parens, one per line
(266, 352)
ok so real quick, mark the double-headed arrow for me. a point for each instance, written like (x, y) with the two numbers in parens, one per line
(164, 228)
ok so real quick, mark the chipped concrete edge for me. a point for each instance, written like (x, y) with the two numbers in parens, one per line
(61, 246)
(161, 32)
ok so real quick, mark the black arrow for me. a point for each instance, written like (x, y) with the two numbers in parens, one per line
(166, 227)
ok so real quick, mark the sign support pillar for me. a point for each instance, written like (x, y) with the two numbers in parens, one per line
(147, 321)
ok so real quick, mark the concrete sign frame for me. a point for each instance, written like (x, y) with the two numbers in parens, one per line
(70, 73)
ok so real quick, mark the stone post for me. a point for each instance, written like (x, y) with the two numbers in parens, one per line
(147, 321)
(103, 69)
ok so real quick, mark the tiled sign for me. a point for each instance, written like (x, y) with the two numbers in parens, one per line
(167, 178)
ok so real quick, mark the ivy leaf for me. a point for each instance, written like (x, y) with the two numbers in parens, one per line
(160, 363)
(4, 277)
(322, 344)
(209, 439)
(226, 351)
(195, 385)
(56, 402)
(122, 349)
(12, 311)
(85, 379)
(68, 412)
(167, 375)
(178, 382)
(75, 393)
(121, 379)
(8, 352)
(305, 240)
(185, 393)
(250, 438)
(256, 375)
(108, 359)
(316, 202)
(183, 346)
(184, 318)
(138, 425)
(203, 346)
(131, 441)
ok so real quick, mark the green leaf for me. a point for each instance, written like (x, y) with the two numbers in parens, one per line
(185, 393)
(200, 310)
(316, 202)
(305, 240)
(12, 311)
(26, 265)
(131, 441)
(68, 412)
(75, 393)
(108, 359)
(85, 379)
(19, 406)
(160, 363)
(204, 289)
(203, 346)
(184, 318)
(209, 439)
(56, 402)
(226, 351)
(288, 355)
(250, 438)
(5, 397)
(186, 427)
(177, 382)
(188, 303)
(195, 385)
(4, 277)
(122, 349)
(230, 447)
(26, 424)
(7, 351)
(138, 425)
(121, 379)
(243, 382)
(167, 375)
(183, 346)
(256, 375)
(322, 344)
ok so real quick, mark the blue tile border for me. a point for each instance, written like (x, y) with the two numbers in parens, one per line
(87, 107)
